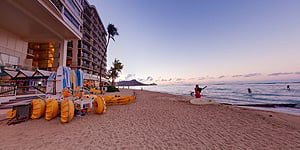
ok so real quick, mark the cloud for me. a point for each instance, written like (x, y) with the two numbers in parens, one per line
(201, 78)
(280, 73)
(252, 75)
(220, 77)
(179, 79)
(208, 77)
(140, 79)
(149, 78)
(129, 76)
(234, 76)
(163, 80)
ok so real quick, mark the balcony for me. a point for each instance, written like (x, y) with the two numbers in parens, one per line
(87, 12)
(85, 65)
(86, 38)
(86, 23)
(85, 46)
(86, 55)
(57, 4)
(86, 30)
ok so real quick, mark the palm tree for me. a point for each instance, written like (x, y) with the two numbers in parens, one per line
(114, 70)
(112, 31)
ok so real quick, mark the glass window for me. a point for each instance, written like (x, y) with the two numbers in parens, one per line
(71, 18)
(4, 58)
(7, 59)
(74, 6)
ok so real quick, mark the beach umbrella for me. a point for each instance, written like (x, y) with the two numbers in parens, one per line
(79, 77)
(74, 84)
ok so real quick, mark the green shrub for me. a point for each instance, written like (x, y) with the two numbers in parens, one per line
(112, 89)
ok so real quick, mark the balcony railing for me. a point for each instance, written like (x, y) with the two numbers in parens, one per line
(57, 4)
(85, 46)
(86, 38)
(86, 30)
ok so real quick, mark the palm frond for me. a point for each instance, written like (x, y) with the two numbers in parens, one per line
(112, 38)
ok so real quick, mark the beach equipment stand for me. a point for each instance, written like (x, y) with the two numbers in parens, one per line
(22, 114)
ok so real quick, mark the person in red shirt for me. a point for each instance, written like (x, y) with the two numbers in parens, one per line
(198, 91)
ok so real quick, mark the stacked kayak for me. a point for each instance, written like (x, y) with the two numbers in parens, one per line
(52, 109)
(95, 91)
(37, 108)
(118, 100)
(66, 111)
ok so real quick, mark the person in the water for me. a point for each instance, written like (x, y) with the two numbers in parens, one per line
(288, 87)
(249, 91)
(198, 91)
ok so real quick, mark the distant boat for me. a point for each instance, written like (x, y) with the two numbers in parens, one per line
(132, 83)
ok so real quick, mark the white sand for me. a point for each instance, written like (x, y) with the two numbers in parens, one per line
(159, 121)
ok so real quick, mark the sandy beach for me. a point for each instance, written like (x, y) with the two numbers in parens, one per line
(159, 121)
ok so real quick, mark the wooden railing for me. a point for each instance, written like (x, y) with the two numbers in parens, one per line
(8, 90)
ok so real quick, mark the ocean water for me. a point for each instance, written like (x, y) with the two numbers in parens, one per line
(236, 93)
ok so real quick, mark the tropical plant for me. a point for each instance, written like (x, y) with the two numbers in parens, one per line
(114, 70)
(112, 31)
(112, 89)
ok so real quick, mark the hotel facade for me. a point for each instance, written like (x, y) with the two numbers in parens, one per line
(44, 34)
(88, 53)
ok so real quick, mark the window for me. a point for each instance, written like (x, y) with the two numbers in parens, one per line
(57, 4)
(70, 44)
(74, 6)
(71, 18)
(8, 59)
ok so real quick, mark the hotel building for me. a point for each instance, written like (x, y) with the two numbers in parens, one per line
(88, 52)
(44, 34)
(35, 33)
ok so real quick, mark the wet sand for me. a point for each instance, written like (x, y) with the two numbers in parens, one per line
(159, 121)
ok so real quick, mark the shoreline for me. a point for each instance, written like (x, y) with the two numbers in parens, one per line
(159, 121)
(253, 108)
(287, 110)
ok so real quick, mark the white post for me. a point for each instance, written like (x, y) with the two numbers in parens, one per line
(63, 53)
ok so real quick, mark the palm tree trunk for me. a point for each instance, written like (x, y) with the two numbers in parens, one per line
(113, 81)
(107, 41)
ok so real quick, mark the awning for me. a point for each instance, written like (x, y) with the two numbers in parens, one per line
(41, 73)
(91, 77)
(12, 74)
(24, 73)
(94, 77)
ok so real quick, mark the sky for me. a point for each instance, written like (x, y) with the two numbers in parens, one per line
(193, 41)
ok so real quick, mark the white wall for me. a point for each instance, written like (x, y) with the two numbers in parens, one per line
(13, 45)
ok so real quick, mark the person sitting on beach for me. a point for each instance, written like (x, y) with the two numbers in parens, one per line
(198, 91)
